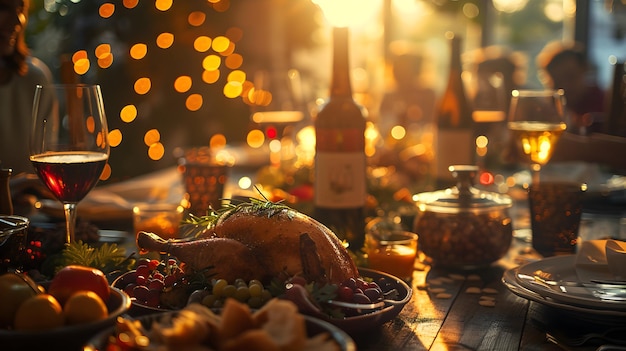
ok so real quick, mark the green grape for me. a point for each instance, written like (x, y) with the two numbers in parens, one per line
(255, 290)
(209, 300)
(255, 282)
(242, 294)
(255, 302)
(218, 287)
(266, 295)
(229, 291)
(240, 282)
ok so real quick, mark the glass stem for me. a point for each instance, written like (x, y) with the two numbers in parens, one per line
(70, 222)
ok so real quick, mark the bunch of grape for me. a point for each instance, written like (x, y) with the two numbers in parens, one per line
(358, 290)
(251, 293)
(151, 278)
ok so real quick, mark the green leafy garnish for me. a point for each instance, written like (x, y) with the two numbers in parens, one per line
(108, 257)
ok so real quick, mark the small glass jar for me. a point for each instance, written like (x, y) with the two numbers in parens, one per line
(462, 226)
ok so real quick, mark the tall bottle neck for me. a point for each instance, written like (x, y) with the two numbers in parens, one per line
(340, 84)
(455, 58)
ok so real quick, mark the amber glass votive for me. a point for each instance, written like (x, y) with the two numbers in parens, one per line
(392, 252)
(162, 219)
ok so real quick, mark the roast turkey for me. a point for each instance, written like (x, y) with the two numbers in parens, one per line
(260, 242)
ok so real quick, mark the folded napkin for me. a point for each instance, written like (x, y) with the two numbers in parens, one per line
(592, 263)
(616, 258)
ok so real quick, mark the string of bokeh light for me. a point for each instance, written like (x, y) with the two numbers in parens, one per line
(220, 56)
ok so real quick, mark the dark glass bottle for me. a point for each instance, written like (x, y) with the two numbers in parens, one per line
(340, 173)
(615, 123)
(455, 144)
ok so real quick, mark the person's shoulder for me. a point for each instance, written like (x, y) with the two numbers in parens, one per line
(38, 70)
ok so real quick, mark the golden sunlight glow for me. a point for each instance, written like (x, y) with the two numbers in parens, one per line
(348, 13)
(233, 89)
(143, 86)
(398, 132)
(202, 43)
(138, 51)
(194, 102)
(165, 40)
(220, 44)
(115, 137)
(152, 136)
(182, 84)
(255, 138)
(106, 10)
(163, 5)
(130, 4)
(509, 6)
(106, 172)
(210, 77)
(81, 66)
(211, 62)
(196, 18)
(217, 141)
(128, 113)
(233, 61)
(156, 151)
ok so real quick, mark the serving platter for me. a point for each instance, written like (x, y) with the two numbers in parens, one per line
(314, 327)
(556, 278)
(67, 338)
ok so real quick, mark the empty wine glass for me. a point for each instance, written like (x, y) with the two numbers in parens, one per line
(536, 122)
(68, 145)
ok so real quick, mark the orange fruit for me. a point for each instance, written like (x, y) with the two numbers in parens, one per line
(84, 307)
(40, 312)
(14, 290)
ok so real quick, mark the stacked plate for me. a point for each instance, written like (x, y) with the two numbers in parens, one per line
(561, 282)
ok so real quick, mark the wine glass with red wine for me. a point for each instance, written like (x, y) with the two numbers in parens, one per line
(69, 147)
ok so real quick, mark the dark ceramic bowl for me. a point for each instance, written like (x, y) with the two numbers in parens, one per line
(69, 338)
(314, 327)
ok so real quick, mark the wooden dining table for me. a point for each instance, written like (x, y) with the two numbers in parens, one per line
(474, 310)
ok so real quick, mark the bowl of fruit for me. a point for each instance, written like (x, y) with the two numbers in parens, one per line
(77, 303)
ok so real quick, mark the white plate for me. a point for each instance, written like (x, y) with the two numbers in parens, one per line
(556, 278)
(510, 281)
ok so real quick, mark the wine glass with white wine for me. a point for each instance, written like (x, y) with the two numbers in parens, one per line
(536, 122)
(68, 145)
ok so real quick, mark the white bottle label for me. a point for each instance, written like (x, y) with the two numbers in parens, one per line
(340, 180)
(454, 147)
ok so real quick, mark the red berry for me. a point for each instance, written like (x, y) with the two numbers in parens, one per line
(141, 280)
(345, 294)
(153, 264)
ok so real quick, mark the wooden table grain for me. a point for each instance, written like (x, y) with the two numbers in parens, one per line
(473, 310)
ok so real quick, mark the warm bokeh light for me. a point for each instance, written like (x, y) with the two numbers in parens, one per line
(194, 102)
(115, 137)
(138, 51)
(211, 62)
(217, 141)
(156, 151)
(106, 10)
(182, 84)
(81, 66)
(143, 85)
(244, 183)
(210, 77)
(202, 44)
(233, 61)
(255, 138)
(128, 113)
(102, 50)
(232, 89)
(220, 44)
(221, 6)
(347, 13)
(234, 34)
(79, 55)
(101, 139)
(106, 172)
(130, 4)
(237, 76)
(105, 61)
(196, 18)
(398, 132)
(165, 40)
(152, 136)
(90, 124)
(163, 5)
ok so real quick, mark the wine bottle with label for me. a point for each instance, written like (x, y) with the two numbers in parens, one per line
(340, 162)
(455, 144)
